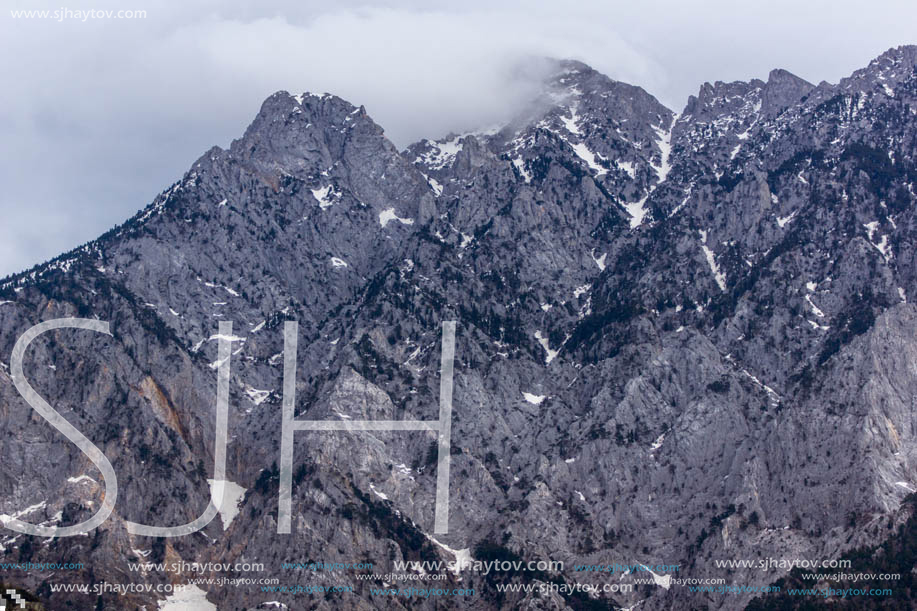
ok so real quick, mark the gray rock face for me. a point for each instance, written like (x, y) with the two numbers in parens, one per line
(682, 338)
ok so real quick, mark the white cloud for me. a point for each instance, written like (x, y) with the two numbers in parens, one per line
(97, 117)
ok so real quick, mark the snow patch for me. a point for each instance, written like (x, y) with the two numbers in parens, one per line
(770, 391)
(377, 493)
(188, 598)
(550, 354)
(815, 309)
(665, 147)
(463, 557)
(583, 152)
(338, 262)
(80, 478)
(783, 220)
(580, 290)
(882, 245)
(533, 399)
(437, 188)
(324, 196)
(628, 167)
(388, 215)
(5, 518)
(572, 123)
(719, 276)
(637, 212)
(441, 153)
(231, 338)
(519, 164)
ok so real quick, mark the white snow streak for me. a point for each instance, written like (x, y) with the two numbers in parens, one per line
(550, 354)
(388, 215)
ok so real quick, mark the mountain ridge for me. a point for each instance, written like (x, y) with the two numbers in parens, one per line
(680, 336)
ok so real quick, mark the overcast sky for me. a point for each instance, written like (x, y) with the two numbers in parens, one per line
(96, 117)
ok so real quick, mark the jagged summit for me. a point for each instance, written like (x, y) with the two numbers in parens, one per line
(304, 133)
(783, 89)
(618, 133)
(884, 72)
(903, 56)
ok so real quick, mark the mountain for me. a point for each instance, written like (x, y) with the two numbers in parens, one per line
(682, 339)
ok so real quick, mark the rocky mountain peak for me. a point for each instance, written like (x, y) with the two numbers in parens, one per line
(575, 85)
(783, 89)
(616, 134)
(900, 60)
(305, 134)
(747, 98)
(896, 65)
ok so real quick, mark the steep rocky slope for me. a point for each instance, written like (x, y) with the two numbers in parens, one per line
(682, 338)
